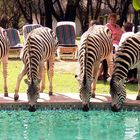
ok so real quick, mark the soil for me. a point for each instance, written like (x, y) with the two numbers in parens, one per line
(68, 66)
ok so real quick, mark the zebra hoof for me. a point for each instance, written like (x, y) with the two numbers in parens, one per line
(5, 94)
(138, 98)
(16, 97)
(50, 93)
(93, 96)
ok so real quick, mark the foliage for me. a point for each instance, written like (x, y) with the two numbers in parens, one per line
(136, 5)
(12, 12)
(20, 12)
(21, 39)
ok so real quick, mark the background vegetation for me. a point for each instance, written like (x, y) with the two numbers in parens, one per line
(20, 12)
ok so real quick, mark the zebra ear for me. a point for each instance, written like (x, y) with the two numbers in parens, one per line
(91, 80)
(77, 77)
(27, 81)
(37, 81)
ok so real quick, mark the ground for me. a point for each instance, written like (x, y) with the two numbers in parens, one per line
(66, 66)
(65, 101)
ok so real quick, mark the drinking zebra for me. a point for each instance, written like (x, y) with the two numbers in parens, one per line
(39, 49)
(127, 57)
(4, 49)
(95, 45)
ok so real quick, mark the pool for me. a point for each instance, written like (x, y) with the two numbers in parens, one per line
(69, 125)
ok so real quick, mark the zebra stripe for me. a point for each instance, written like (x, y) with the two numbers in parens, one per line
(95, 45)
(127, 57)
(4, 50)
(39, 49)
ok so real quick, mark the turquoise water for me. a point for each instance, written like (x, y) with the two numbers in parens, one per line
(69, 125)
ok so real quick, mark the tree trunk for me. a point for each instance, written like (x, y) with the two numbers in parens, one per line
(48, 13)
(136, 22)
(98, 9)
(70, 14)
(26, 10)
(124, 12)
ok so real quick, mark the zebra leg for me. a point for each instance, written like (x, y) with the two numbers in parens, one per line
(4, 63)
(19, 78)
(50, 73)
(110, 63)
(95, 77)
(42, 76)
(138, 76)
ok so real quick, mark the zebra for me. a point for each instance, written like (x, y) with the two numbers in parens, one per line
(4, 51)
(95, 45)
(39, 51)
(127, 57)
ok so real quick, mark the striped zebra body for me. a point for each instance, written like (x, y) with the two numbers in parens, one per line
(4, 49)
(95, 45)
(127, 57)
(39, 50)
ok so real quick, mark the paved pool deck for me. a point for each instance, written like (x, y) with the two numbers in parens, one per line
(65, 101)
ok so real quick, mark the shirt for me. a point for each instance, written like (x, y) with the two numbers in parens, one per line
(124, 36)
(116, 32)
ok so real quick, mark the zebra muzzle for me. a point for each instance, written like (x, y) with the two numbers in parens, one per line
(115, 108)
(85, 107)
(32, 108)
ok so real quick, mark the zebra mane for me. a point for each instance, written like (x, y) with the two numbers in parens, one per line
(85, 62)
(29, 58)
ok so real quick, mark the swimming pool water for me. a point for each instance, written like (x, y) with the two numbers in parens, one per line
(69, 125)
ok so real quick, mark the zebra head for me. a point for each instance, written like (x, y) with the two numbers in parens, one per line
(118, 94)
(32, 93)
(85, 92)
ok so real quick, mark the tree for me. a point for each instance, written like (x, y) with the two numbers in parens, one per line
(83, 15)
(26, 8)
(65, 10)
(88, 10)
(70, 14)
(113, 5)
(11, 13)
(48, 13)
(123, 14)
(97, 9)
(136, 5)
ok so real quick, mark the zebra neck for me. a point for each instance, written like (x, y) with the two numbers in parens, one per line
(117, 77)
(33, 65)
(85, 71)
(85, 64)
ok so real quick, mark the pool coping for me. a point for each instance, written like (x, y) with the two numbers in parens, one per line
(65, 101)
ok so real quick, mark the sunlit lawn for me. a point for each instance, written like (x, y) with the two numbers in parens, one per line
(62, 82)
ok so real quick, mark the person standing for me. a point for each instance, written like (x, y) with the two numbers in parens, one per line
(132, 74)
(116, 30)
(127, 32)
